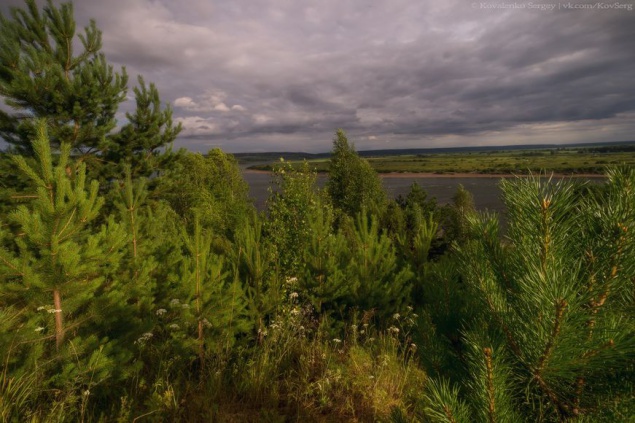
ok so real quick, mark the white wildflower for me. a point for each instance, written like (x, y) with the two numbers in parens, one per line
(396, 316)
(86, 393)
(53, 310)
(185, 306)
(161, 312)
(39, 329)
(40, 308)
(174, 326)
(144, 338)
(336, 340)
(293, 295)
(174, 302)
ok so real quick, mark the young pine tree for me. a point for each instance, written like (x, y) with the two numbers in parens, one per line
(555, 338)
(353, 185)
(217, 300)
(78, 94)
(42, 77)
(378, 280)
(62, 280)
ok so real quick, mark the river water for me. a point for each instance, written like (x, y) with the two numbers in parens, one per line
(485, 191)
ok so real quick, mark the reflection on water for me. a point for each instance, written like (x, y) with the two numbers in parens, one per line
(485, 190)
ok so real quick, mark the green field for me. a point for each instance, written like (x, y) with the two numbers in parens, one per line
(562, 160)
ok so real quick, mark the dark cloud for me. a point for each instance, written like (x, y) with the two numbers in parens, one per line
(284, 75)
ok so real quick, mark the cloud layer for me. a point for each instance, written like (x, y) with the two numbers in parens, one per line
(284, 75)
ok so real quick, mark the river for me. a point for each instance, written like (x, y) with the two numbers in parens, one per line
(485, 190)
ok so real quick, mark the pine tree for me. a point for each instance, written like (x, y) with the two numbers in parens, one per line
(555, 337)
(78, 94)
(217, 303)
(378, 281)
(353, 185)
(260, 276)
(58, 251)
(144, 143)
(324, 281)
(63, 281)
(42, 77)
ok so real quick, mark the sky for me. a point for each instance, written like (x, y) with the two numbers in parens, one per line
(284, 75)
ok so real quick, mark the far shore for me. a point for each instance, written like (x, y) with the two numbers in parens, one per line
(461, 175)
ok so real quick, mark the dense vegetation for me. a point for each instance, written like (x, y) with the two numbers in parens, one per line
(129, 298)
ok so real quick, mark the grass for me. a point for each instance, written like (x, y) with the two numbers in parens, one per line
(563, 161)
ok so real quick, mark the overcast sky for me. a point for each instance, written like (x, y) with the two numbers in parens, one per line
(283, 75)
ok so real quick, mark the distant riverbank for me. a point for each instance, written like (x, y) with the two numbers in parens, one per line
(455, 175)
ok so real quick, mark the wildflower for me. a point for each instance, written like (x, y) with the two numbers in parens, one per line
(39, 329)
(144, 338)
(206, 323)
(86, 393)
(174, 302)
(337, 341)
(185, 306)
(396, 316)
(40, 308)
(292, 280)
(393, 329)
(293, 295)
(174, 326)
(294, 311)
(54, 310)
(161, 312)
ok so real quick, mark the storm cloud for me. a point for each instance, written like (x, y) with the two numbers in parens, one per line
(272, 75)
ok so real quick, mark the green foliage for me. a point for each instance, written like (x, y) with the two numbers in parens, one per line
(62, 277)
(144, 143)
(353, 185)
(216, 300)
(78, 94)
(324, 282)
(41, 76)
(558, 290)
(260, 276)
(211, 187)
(456, 215)
(293, 204)
(377, 281)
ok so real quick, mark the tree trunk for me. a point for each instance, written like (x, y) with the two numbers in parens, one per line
(59, 324)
